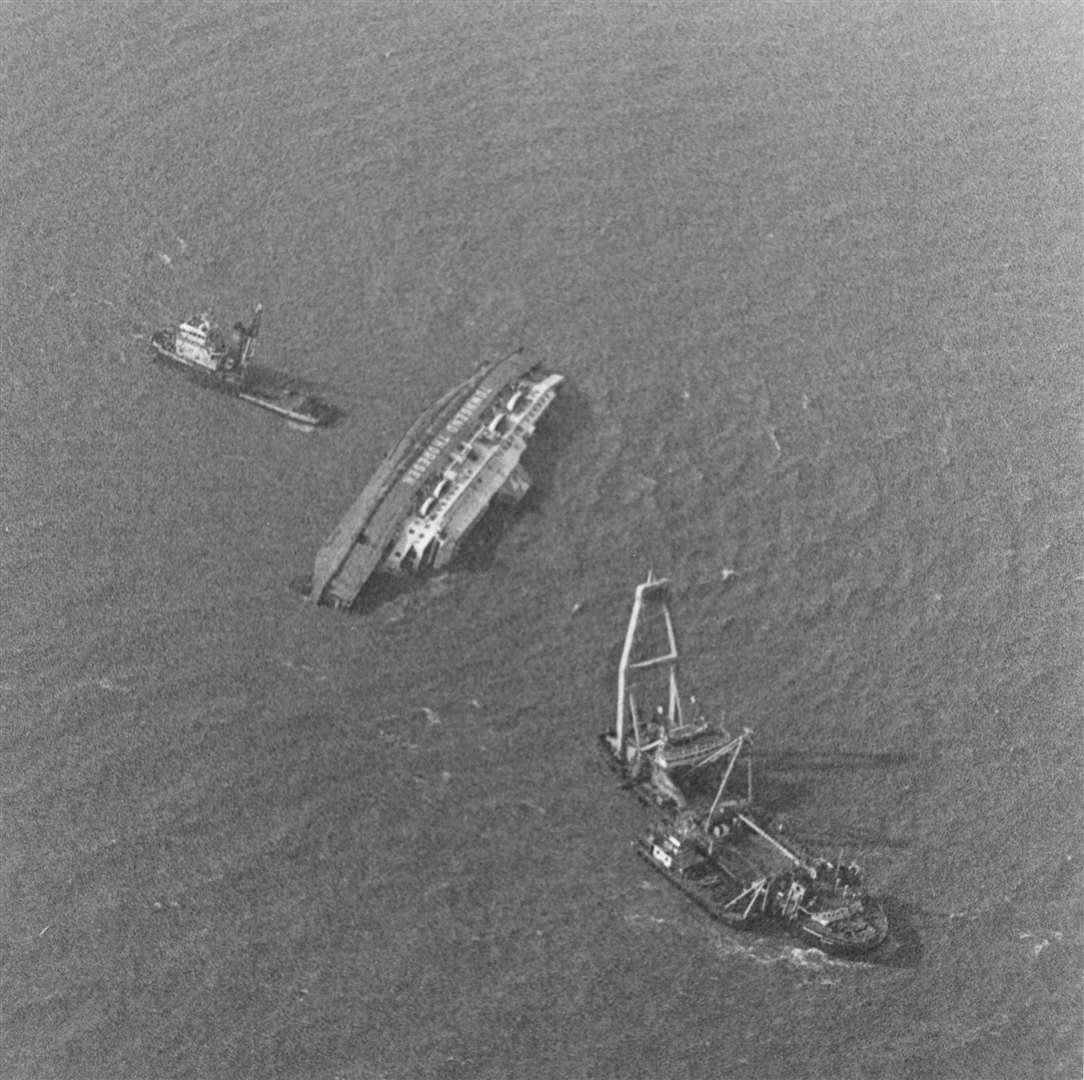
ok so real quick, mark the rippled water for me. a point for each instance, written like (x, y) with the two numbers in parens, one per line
(813, 276)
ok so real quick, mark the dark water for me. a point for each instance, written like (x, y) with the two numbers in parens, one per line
(813, 274)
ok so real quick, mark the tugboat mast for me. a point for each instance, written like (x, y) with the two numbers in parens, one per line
(250, 335)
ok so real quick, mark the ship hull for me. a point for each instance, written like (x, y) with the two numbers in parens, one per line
(738, 884)
(438, 481)
(734, 866)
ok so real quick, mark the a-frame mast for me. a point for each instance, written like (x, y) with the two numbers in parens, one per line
(652, 590)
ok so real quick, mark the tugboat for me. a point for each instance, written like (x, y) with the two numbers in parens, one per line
(709, 840)
(204, 351)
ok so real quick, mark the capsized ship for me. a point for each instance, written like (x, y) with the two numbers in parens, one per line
(438, 480)
(223, 362)
(710, 841)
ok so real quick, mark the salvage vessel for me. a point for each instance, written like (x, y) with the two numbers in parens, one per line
(710, 841)
(438, 481)
(737, 866)
(223, 362)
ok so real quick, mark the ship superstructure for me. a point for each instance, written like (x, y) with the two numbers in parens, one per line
(197, 343)
(439, 480)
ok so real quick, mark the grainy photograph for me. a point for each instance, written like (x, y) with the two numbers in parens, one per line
(541, 540)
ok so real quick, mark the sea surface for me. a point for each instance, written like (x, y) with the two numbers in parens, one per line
(813, 275)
